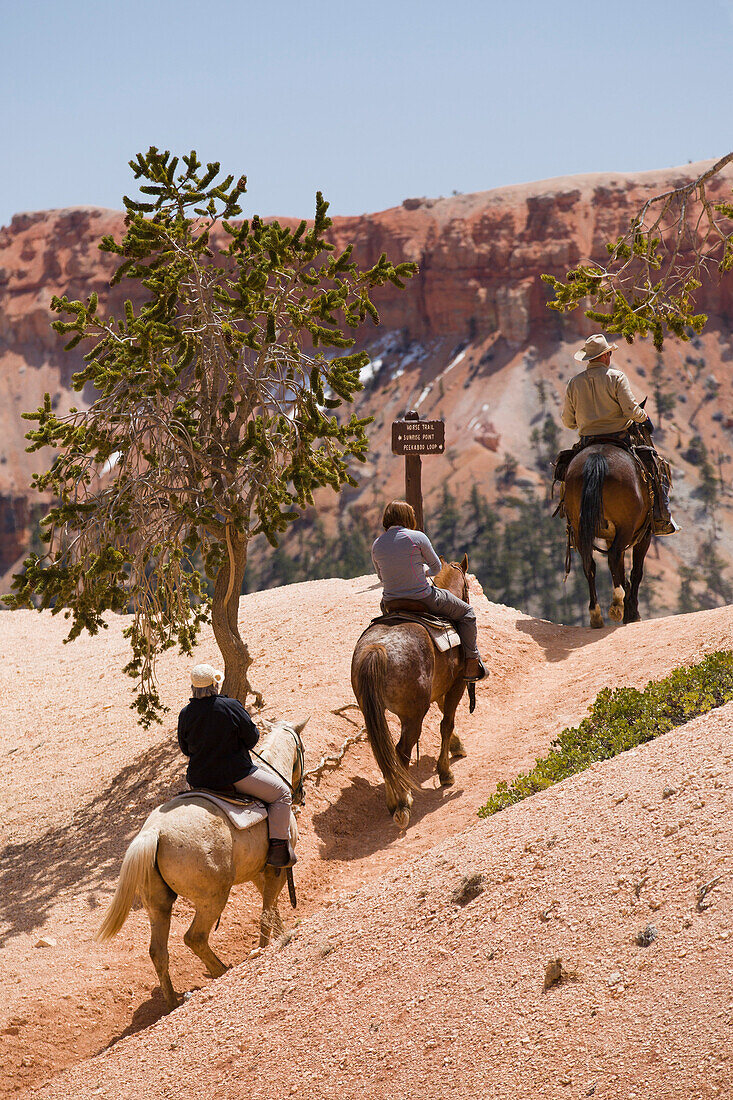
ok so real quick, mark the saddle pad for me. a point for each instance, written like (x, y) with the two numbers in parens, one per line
(440, 630)
(241, 814)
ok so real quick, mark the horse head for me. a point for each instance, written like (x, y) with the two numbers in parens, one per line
(453, 578)
(278, 749)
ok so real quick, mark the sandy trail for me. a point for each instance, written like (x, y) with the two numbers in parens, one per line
(69, 736)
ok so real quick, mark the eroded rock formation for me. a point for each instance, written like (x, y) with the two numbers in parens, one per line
(468, 340)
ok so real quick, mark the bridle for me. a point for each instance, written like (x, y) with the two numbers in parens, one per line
(297, 791)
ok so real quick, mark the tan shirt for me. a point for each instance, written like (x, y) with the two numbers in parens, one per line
(600, 402)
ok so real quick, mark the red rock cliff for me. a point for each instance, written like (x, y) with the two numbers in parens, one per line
(478, 305)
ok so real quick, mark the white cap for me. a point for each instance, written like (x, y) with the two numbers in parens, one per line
(203, 675)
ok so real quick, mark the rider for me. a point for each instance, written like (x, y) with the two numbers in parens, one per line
(402, 557)
(216, 732)
(600, 404)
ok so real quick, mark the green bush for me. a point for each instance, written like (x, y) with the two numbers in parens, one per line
(621, 718)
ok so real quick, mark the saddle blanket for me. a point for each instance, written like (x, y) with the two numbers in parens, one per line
(241, 814)
(444, 635)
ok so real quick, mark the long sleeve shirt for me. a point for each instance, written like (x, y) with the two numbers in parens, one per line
(216, 734)
(599, 401)
(401, 557)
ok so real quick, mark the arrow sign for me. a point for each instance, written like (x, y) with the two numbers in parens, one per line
(418, 437)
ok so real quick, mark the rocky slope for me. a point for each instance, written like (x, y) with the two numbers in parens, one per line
(470, 340)
(400, 979)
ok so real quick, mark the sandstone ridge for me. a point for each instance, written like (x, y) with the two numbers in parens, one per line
(476, 309)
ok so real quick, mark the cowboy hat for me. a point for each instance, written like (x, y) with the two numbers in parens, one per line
(204, 675)
(595, 345)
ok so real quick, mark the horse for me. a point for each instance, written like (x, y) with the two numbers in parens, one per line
(192, 849)
(397, 668)
(606, 498)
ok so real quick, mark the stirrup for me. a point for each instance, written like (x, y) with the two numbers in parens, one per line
(280, 854)
(666, 527)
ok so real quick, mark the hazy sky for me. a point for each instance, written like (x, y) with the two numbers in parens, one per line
(371, 103)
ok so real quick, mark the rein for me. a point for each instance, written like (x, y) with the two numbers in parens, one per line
(297, 791)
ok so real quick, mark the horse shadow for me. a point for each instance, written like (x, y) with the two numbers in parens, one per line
(144, 1016)
(558, 642)
(357, 823)
(85, 852)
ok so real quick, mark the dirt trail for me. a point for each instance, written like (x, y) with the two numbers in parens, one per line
(69, 733)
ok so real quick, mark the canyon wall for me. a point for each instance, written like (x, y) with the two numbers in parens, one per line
(469, 339)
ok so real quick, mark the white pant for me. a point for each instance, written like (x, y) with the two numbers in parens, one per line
(262, 784)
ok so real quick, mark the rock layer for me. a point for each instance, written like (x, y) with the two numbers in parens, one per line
(478, 290)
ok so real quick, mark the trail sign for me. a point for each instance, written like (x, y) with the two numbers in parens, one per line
(418, 437)
(413, 437)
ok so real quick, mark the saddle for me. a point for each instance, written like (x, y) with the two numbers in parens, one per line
(242, 811)
(636, 441)
(442, 631)
(228, 793)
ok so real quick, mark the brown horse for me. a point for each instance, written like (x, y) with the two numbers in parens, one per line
(397, 668)
(607, 499)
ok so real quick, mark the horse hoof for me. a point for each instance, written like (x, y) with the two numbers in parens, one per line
(401, 818)
(616, 611)
(596, 618)
(447, 780)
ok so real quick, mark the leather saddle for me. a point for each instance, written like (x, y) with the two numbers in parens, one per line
(637, 444)
(229, 794)
(442, 631)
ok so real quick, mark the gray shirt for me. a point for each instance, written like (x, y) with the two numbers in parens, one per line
(400, 557)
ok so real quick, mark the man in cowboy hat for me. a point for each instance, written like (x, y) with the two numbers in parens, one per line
(599, 404)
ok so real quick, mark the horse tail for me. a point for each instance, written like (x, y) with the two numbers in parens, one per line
(371, 675)
(595, 469)
(135, 877)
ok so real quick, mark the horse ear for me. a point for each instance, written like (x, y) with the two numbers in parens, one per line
(442, 560)
(464, 563)
(300, 726)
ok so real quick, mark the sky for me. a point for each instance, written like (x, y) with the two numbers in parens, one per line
(369, 103)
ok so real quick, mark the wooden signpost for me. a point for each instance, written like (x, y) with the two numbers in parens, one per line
(413, 437)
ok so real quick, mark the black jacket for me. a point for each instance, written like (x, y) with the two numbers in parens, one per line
(216, 733)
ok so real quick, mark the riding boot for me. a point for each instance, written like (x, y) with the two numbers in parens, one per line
(664, 524)
(280, 854)
(474, 670)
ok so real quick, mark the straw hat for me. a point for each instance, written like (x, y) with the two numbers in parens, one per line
(204, 675)
(595, 345)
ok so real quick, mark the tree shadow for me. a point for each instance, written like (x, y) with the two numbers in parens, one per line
(559, 642)
(87, 851)
(358, 823)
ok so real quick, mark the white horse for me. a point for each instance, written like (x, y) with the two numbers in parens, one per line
(190, 848)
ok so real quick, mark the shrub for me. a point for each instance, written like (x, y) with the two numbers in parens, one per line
(620, 719)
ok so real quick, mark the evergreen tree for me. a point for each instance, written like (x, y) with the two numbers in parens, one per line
(687, 600)
(215, 410)
(664, 402)
(712, 568)
(648, 281)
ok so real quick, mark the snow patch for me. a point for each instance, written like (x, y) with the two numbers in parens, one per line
(423, 395)
(110, 463)
(369, 372)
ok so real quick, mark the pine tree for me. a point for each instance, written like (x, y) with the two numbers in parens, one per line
(215, 409)
(648, 281)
